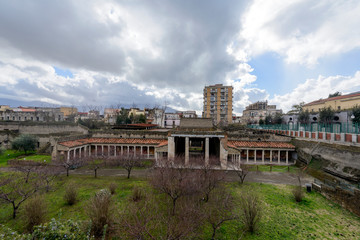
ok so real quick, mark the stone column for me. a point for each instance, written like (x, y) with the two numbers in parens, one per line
(134, 151)
(247, 155)
(68, 156)
(206, 151)
(148, 152)
(74, 153)
(108, 150)
(255, 155)
(186, 151)
(279, 156)
(128, 150)
(89, 150)
(263, 157)
(115, 149)
(80, 152)
(102, 150)
(96, 147)
(121, 150)
(270, 155)
(141, 150)
(287, 157)
(171, 148)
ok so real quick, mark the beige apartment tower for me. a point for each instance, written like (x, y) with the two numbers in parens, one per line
(218, 103)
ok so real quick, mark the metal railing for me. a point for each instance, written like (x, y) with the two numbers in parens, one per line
(353, 128)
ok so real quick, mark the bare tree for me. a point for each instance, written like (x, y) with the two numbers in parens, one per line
(15, 191)
(48, 174)
(209, 180)
(127, 162)
(26, 169)
(219, 209)
(95, 163)
(140, 219)
(241, 171)
(175, 182)
(71, 163)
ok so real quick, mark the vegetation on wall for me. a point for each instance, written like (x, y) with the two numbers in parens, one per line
(326, 115)
(356, 112)
(304, 116)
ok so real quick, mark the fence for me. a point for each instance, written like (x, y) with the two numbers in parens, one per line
(353, 128)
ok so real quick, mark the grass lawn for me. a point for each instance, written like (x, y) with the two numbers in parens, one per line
(12, 154)
(274, 168)
(314, 218)
(38, 158)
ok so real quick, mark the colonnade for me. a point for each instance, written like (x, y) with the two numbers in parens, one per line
(274, 156)
(110, 150)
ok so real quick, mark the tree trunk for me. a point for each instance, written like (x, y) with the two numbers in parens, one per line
(213, 234)
(173, 208)
(95, 172)
(129, 171)
(14, 210)
(67, 172)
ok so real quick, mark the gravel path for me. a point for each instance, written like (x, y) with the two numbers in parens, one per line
(253, 176)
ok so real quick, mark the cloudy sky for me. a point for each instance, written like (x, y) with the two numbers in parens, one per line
(96, 52)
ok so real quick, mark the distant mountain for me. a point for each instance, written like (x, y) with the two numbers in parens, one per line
(17, 103)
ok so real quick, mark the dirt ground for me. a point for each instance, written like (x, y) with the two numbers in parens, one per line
(253, 176)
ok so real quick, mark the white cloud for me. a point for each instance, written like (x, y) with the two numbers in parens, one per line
(314, 89)
(302, 31)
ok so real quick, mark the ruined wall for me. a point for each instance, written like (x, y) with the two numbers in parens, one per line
(346, 198)
(43, 128)
(129, 134)
(339, 160)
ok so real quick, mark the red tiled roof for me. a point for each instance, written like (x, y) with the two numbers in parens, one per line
(80, 142)
(333, 98)
(163, 143)
(253, 144)
(142, 125)
(72, 143)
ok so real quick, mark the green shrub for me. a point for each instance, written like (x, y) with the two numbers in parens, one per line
(60, 230)
(137, 194)
(100, 212)
(298, 193)
(70, 195)
(35, 212)
(112, 188)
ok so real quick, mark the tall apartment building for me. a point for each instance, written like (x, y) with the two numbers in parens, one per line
(218, 103)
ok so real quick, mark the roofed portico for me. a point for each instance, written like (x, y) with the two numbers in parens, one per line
(197, 145)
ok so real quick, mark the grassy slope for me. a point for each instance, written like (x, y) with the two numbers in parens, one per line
(283, 218)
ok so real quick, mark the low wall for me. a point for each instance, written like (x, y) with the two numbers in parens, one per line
(331, 137)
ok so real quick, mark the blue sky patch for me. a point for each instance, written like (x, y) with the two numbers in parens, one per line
(63, 72)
